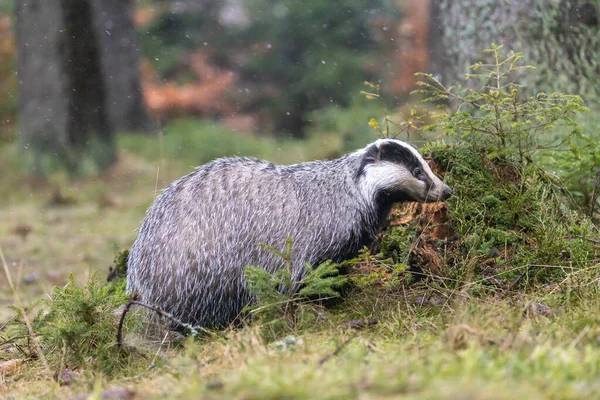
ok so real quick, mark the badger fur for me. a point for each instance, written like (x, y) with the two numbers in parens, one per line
(206, 227)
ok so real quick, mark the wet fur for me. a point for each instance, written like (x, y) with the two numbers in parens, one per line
(202, 231)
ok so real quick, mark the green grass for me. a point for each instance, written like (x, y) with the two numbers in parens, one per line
(481, 350)
(467, 348)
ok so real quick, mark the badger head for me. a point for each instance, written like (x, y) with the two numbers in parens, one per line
(395, 170)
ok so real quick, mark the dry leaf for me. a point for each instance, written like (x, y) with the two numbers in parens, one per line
(10, 367)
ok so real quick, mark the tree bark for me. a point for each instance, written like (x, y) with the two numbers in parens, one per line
(559, 37)
(119, 53)
(62, 118)
(435, 62)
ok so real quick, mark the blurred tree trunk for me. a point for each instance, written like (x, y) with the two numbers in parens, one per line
(113, 21)
(413, 48)
(79, 80)
(435, 61)
(62, 118)
(560, 38)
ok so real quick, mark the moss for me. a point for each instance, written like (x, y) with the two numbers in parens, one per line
(502, 212)
(396, 243)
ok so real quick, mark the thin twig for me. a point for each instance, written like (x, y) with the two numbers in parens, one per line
(156, 183)
(4, 325)
(158, 351)
(292, 300)
(13, 339)
(337, 351)
(579, 337)
(521, 276)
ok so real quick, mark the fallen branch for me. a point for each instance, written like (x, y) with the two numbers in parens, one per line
(122, 320)
(193, 330)
(337, 351)
(359, 323)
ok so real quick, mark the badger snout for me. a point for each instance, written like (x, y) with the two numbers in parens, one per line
(439, 193)
(446, 192)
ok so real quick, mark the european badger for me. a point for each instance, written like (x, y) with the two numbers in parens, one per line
(205, 228)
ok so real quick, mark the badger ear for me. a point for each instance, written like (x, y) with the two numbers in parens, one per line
(372, 154)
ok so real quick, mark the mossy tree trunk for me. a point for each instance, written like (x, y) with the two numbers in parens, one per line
(119, 53)
(560, 37)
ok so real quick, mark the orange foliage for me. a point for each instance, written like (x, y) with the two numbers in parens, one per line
(205, 97)
(144, 16)
(7, 42)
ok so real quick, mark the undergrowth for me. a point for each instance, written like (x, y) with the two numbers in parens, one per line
(520, 224)
(511, 226)
(197, 142)
(77, 326)
(512, 223)
(282, 305)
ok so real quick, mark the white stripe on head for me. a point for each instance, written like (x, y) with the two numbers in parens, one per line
(381, 176)
(425, 166)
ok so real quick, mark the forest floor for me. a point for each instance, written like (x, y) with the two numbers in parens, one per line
(447, 344)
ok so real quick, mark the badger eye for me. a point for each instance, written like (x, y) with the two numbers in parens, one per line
(417, 171)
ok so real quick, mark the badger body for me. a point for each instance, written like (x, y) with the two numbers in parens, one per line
(205, 228)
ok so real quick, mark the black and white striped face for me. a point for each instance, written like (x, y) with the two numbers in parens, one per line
(396, 169)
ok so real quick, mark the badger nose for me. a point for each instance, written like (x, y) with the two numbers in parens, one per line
(447, 192)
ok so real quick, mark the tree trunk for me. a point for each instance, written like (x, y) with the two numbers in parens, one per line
(435, 62)
(113, 21)
(560, 38)
(62, 118)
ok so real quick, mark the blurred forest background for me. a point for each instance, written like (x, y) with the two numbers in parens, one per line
(205, 78)
(104, 102)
